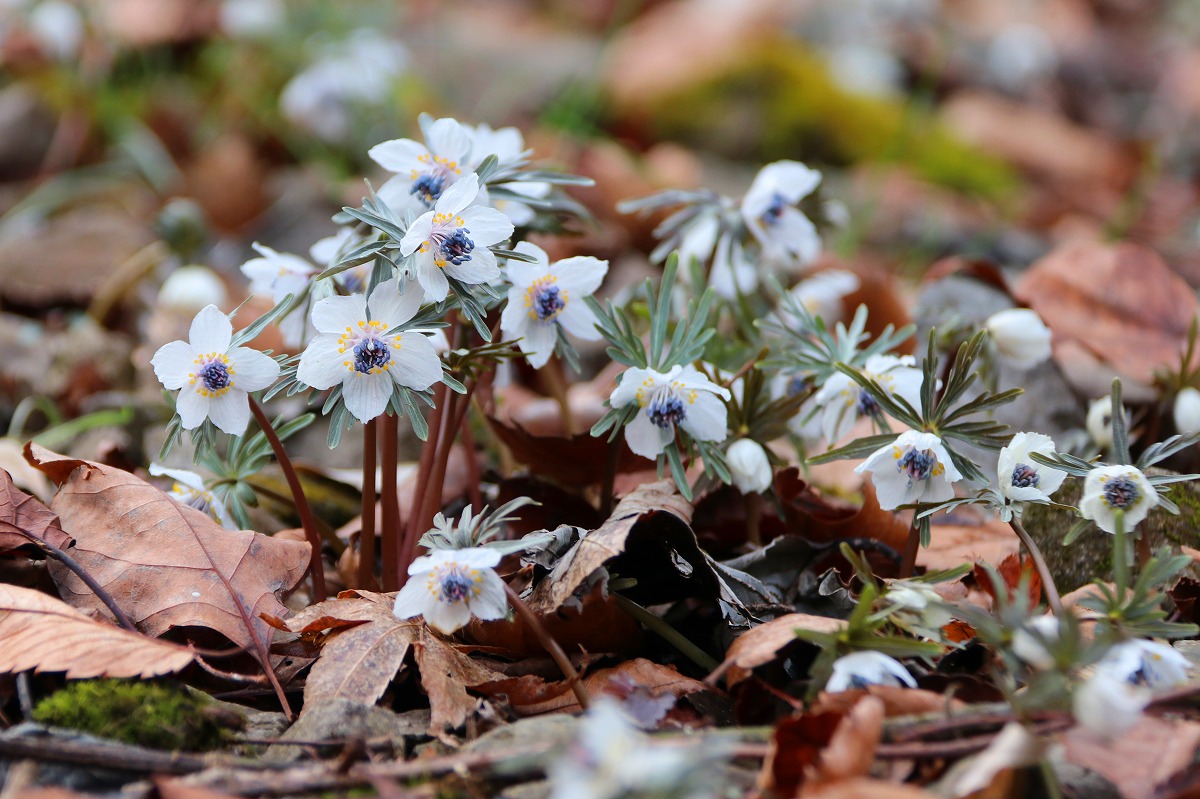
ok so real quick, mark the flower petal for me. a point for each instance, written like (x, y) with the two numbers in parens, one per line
(538, 344)
(412, 599)
(390, 306)
(252, 370)
(487, 225)
(632, 379)
(230, 411)
(399, 155)
(417, 234)
(415, 362)
(431, 279)
(321, 365)
(366, 396)
(705, 418)
(580, 275)
(645, 438)
(173, 364)
(447, 617)
(578, 320)
(211, 331)
(192, 407)
(522, 274)
(480, 269)
(458, 197)
(492, 602)
(449, 139)
(335, 314)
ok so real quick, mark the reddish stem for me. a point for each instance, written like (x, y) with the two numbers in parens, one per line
(307, 521)
(424, 468)
(389, 432)
(474, 479)
(366, 538)
(549, 644)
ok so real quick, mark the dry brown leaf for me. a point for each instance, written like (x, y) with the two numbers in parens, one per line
(967, 541)
(652, 678)
(1140, 760)
(446, 673)
(45, 634)
(165, 564)
(760, 645)
(897, 701)
(864, 788)
(20, 511)
(851, 750)
(1120, 303)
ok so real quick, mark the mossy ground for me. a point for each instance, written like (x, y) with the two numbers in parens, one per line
(152, 714)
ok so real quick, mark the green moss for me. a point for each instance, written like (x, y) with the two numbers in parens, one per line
(145, 713)
(780, 101)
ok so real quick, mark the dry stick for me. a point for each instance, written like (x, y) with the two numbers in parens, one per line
(316, 565)
(366, 537)
(1039, 562)
(88, 580)
(550, 645)
(389, 432)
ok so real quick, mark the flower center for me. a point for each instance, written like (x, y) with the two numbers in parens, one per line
(454, 584)
(917, 464)
(370, 351)
(449, 240)
(867, 405)
(1025, 476)
(798, 384)
(544, 299)
(428, 188)
(1121, 492)
(214, 374)
(774, 211)
(666, 410)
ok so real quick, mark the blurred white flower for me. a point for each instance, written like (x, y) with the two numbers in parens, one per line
(425, 171)
(252, 18)
(1099, 422)
(1108, 706)
(683, 396)
(548, 296)
(189, 489)
(786, 235)
(189, 288)
(920, 608)
(749, 466)
(1155, 665)
(860, 669)
(508, 145)
(276, 275)
(58, 28)
(843, 401)
(732, 272)
(1021, 478)
(448, 586)
(1109, 489)
(1021, 337)
(1187, 411)
(1029, 641)
(213, 378)
(1018, 55)
(353, 347)
(439, 237)
(914, 468)
(821, 295)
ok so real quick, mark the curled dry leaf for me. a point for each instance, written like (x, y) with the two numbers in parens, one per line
(577, 460)
(21, 512)
(897, 701)
(762, 644)
(41, 633)
(165, 564)
(638, 676)
(819, 748)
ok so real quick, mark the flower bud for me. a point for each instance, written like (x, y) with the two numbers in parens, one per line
(190, 288)
(1022, 339)
(749, 466)
(1099, 422)
(1187, 411)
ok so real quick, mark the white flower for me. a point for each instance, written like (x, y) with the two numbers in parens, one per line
(252, 18)
(353, 347)
(1022, 338)
(1021, 478)
(1029, 641)
(860, 669)
(681, 397)
(508, 145)
(748, 463)
(424, 171)
(448, 586)
(767, 209)
(914, 468)
(189, 288)
(546, 296)
(441, 236)
(276, 275)
(58, 28)
(1149, 662)
(1187, 411)
(921, 609)
(844, 401)
(1108, 706)
(1099, 422)
(189, 489)
(1109, 489)
(732, 272)
(214, 379)
(821, 295)
(698, 237)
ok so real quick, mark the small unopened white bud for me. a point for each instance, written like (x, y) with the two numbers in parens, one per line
(190, 288)
(1099, 422)
(1187, 411)
(749, 466)
(1022, 338)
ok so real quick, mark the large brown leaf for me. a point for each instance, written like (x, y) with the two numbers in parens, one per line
(45, 634)
(762, 644)
(165, 564)
(20, 511)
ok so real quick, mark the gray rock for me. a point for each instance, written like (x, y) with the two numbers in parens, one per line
(336, 720)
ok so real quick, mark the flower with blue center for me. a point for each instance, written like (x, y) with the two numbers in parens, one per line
(424, 171)
(189, 490)
(914, 468)
(843, 401)
(212, 377)
(547, 296)
(1109, 489)
(448, 586)
(785, 234)
(682, 397)
(1149, 663)
(508, 145)
(1021, 479)
(859, 670)
(355, 347)
(453, 239)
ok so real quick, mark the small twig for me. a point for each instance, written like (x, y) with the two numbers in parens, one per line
(316, 565)
(550, 645)
(366, 537)
(667, 633)
(88, 580)
(232, 676)
(1039, 562)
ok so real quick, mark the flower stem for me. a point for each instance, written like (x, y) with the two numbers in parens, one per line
(1120, 555)
(366, 538)
(424, 467)
(1142, 543)
(390, 537)
(753, 504)
(307, 521)
(908, 561)
(1052, 596)
(550, 645)
(81, 573)
(667, 633)
(607, 488)
(555, 383)
(474, 479)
